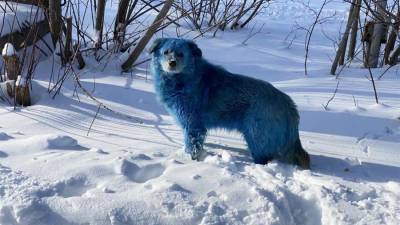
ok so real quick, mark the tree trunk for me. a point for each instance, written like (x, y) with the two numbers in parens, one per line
(68, 40)
(390, 44)
(79, 58)
(22, 94)
(55, 21)
(394, 55)
(354, 30)
(12, 66)
(350, 21)
(379, 29)
(11, 61)
(391, 40)
(147, 36)
(120, 22)
(17, 87)
(342, 45)
(101, 5)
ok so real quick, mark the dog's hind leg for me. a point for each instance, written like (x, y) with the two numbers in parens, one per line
(258, 149)
(296, 155)
(259, 135)
(259, 157)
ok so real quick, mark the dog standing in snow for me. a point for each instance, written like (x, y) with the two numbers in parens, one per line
(202, 96)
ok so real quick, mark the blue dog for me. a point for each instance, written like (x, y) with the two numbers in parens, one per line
(202, 96)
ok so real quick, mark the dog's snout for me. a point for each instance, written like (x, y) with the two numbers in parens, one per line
(172, 63)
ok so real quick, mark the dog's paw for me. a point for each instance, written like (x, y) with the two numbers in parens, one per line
(198, 154)
(193, 155)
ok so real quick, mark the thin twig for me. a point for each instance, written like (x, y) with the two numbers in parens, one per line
(87, 93)
(94, 118)
(333, 96)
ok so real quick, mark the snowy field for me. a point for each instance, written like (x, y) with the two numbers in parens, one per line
(124, 172)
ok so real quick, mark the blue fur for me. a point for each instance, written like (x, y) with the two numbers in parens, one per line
(204, 96)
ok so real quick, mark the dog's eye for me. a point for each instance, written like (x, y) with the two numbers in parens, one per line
(180, 54)
(166, 52)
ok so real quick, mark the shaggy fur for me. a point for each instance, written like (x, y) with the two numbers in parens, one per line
(202, 96)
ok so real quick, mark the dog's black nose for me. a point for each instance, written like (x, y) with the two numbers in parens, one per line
(172, 63)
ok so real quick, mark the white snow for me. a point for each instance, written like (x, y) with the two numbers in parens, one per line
(123, 172)
(15, 16)
(96, 36)
(21, 81)
(8, 50)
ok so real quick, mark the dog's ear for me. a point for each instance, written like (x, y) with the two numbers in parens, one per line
(195, 49)
(156, 44)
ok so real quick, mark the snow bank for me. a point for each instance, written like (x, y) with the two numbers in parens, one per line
(39, 143)
(51, 172)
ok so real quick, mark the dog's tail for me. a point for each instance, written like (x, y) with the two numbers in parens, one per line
(301, 157)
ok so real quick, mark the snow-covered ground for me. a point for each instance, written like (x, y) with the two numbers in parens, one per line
(15, 16)
(124, 172)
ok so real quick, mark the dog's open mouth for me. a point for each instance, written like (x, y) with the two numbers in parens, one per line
(171, 68)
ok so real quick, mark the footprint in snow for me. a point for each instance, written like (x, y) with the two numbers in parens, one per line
(73, 187)
(139, 174)
(99, 150)
(3, 154)
(53, 142)
(4, 136)
(60, 141)
(141, 157)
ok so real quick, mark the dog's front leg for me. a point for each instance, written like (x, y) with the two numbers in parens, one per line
(194, 140)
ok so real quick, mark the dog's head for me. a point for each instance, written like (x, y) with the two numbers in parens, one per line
(175, 55)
